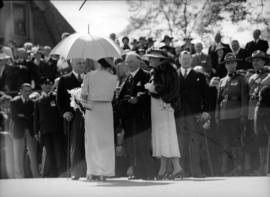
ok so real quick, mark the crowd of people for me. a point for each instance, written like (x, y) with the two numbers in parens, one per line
(156, 113)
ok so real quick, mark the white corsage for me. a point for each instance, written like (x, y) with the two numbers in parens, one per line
(75, 99)
(150, 87)
(166, 106)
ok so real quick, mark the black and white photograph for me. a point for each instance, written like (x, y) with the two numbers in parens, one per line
(134, 98)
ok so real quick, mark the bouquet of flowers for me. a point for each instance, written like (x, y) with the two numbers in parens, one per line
(204, 120)
(75, 99)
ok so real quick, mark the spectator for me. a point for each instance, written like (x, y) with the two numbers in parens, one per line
(22, 109)
(212, 51)
(201, 59)
(125, 41)
(257, 43)
(188, 46)
(167, 47)
(241, 54)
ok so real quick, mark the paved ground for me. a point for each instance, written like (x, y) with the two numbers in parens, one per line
(189, 187)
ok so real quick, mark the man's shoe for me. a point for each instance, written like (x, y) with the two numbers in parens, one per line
(75, 178)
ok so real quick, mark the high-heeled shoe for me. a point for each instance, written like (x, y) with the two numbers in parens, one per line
(162, 176)
(179, 174)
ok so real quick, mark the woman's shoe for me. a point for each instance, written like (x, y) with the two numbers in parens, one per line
(179, 174)
(163, 176)
(91, 178)
(101, 178)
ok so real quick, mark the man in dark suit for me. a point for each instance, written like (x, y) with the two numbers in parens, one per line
(133, 105)
(201, 59)
(257, 43)
(212, 52)
(48, 124)
(194, 107)
(22, 109)
(73, 119)
(241, 54)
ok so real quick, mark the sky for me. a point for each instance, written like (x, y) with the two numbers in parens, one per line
(103, 17)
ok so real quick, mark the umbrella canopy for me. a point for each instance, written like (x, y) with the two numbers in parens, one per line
(86, 46)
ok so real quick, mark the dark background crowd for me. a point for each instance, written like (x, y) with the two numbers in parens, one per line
(31, 73)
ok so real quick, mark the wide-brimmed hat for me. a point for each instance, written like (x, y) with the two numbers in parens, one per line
(167, 37)
(157, 53)
(230, 57)
(125, 38)
(257, 54)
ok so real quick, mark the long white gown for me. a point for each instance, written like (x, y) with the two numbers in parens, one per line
(99, 85)
(164, 135)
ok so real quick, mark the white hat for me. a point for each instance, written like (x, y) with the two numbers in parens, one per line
(4, 56)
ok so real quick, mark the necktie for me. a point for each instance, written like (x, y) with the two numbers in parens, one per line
(185, 73)
(130, 78)
(80, 78)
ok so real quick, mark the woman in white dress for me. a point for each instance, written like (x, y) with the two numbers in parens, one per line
(97, 94)
(164, 89)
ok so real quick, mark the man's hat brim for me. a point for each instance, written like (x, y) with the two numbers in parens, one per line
(167, 37)
(156, 56)
(249, 59)
(230, 60)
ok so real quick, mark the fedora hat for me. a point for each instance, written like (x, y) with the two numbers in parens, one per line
(257, 54)
(157, 53)
(167, 37)
(230, 57)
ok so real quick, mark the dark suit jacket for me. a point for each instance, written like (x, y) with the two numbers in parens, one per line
(66, 82)
(213, 58)
(201, 60)
(139, 112)
(22, 123)
(260, 45)
(242, 54)
(47, 118)
(193, 94)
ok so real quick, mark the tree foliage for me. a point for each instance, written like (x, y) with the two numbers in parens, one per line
(185, 17)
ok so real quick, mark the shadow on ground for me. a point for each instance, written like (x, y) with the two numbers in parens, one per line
(140, 183)
(128, 183)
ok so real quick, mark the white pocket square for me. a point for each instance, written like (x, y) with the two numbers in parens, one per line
(139, 84)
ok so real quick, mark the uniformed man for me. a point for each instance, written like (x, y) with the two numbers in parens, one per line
(258, 59)
(47, 123)
(231, 114)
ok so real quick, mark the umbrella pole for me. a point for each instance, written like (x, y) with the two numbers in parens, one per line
(67, 131)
